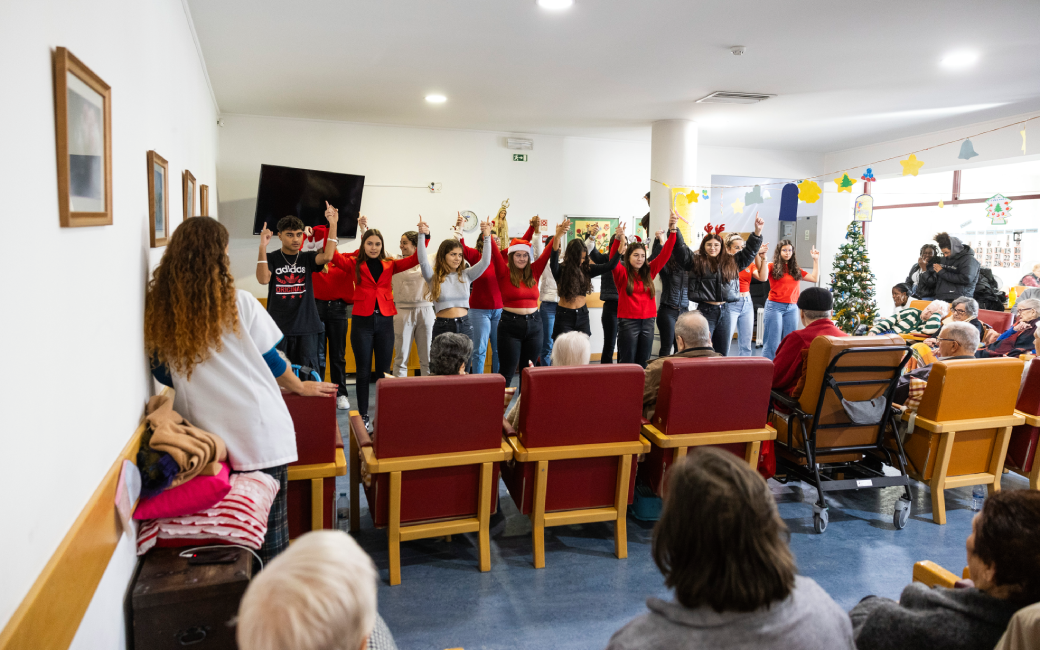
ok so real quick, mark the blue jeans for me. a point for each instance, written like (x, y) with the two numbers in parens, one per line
(548, 314)
(742, 320)
(485, 324)
(781, 319)
(718, 318)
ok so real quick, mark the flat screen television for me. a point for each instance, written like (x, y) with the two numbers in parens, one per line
(302, 193)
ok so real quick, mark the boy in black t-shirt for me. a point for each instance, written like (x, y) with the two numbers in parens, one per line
(290, 297)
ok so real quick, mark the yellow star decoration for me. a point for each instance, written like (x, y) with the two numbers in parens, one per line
(809, 191)
(911, 165)
(693, 197)
(844, 183)
(738, 207)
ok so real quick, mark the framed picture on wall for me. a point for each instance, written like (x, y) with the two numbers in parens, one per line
(581, 224)
(203, 200)
(83, 134)
(189, 195)
(158, 200)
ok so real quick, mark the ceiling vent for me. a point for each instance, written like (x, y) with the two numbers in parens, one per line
(526, 144)
(724, 97)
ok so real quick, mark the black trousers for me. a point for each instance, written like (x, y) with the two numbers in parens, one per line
(610, 330)
(456, 325)
(666, 317)
(719, 324)
(336, 315)
(635, 340)
(571, 320)
(302, 350)
(519, 342)
(371, 335)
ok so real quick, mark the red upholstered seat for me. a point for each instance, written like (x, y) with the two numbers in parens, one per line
(317, 437)
(998, 320)
(1021, 453)
(716, 397)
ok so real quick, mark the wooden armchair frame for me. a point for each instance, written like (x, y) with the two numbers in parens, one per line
(933, 575)
(947, 431)
(680, 443)
(317, 473)
(540, 519)
(1034, 474)
(397, 533)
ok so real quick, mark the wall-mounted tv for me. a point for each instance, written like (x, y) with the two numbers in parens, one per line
(302, 193)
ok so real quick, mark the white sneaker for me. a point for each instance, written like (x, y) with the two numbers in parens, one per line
(342, 403)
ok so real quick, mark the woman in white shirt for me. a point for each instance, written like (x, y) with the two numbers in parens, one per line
(414, 317)
(216, 346)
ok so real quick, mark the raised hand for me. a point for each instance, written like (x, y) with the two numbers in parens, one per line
(619, 232)
(815, 254)
(660, 236)
(759, 223)
(485, 228)
(459, 221)
(331, 214)
(308, 231)
(562, 228)
(672, 220)
(265, 236)
(593, 230)
(763, 249)
(423, 227)
(363, 224)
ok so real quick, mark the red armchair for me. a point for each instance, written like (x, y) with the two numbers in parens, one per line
(312, 478)
(998, 320)
(577, 434)
(432, 458)
(1021, 453)
(721, 401)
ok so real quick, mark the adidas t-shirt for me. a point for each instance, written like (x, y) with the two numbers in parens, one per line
(290, 295)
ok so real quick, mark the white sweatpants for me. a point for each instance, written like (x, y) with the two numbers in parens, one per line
(409, 323)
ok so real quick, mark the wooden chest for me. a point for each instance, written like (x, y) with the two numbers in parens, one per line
(177, 604)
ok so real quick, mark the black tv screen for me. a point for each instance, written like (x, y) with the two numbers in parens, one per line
(302, 193)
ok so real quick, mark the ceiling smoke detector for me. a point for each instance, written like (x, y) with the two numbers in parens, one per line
(725, 97)
(737, 50)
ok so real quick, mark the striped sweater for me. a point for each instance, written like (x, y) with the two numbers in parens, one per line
(908, 321)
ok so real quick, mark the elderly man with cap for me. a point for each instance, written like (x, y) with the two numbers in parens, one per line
(815, 304)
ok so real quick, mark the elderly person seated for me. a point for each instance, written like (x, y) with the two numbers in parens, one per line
(956, 341)
(692, 339)
(966, 310)
(815, 304)
(1018, 339)
(1005, 576)
(570, 349)
(914, 321)
(319, 594)
(449, 354)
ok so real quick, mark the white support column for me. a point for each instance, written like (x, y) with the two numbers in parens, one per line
(673, 160)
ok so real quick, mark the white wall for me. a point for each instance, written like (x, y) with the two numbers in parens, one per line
(76, 380)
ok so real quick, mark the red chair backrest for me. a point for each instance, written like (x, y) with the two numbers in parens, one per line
(1029, 398)
(314, 419)
(713, 394)
(416, 416)
(580, 405)
(998, 320)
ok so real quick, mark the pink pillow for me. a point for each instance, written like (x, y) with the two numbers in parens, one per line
(192, 496)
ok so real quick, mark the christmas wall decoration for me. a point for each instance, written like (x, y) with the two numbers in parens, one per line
(967, 151)
(844, 183)
(754, 196)
(852, 283)
(809, 191)
(998, 209)
(868, 176)
(911, 165)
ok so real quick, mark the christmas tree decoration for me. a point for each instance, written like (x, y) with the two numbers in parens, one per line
(738, 207)
(808, 191)
(967, 151)
(852, 283)
(754, 196)
(868, 176)
(844, 183)
(998, 209)
(911, 165)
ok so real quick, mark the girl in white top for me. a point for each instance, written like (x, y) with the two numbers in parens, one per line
(216, 347)
(414, 317)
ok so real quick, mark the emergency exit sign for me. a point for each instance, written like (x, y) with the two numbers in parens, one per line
(519, 157)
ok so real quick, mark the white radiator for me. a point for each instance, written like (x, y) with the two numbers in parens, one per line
(760, 328)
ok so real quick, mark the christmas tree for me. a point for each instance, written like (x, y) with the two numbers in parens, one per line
(852, 283)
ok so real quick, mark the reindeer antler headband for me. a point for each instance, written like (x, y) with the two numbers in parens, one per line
(718, 229)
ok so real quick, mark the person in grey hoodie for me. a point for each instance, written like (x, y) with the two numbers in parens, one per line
(953, 275)
(1005, 570)
(722, 547)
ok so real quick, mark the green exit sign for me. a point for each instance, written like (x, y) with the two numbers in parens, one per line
(519, 157)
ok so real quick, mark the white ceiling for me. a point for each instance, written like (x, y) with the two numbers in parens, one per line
(847, 74)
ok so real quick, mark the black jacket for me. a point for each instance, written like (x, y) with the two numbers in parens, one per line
(714, 287)
(914, 292)
(958, 277)
(673, 275)
(607, 290)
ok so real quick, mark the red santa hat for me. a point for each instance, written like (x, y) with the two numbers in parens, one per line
(316, 242)
(517, 245)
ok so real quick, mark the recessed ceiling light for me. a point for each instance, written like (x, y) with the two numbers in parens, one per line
(959, 59)
(436, 99)
(555, 5)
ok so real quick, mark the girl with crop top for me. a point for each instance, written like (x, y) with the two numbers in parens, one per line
(448, 281)
(574, 282)
(742, 312)
(520, 330)
(634, 278)
(785, 278)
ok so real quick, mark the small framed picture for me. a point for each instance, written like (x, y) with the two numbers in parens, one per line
(203, 200)
(189, 195)
(158, 200)
(83, 134)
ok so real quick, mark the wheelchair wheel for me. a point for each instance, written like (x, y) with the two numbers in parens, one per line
(820, 520)
(901, 514)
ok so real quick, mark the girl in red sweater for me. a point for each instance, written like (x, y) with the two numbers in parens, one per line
(520, 330)
(634, 279)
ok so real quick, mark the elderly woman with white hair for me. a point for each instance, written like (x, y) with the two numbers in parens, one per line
(1018, 339)
(911, 320)
(572, 348)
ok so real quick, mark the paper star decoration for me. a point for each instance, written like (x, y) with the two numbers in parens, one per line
(911, 165)
(809, 191)
(1023, 132)
(692, 197)
(844, 183)
(738, 207)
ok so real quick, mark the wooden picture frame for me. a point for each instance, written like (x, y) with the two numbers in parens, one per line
(188, 191)
(83, 137)
(158, 199)
(203, 200)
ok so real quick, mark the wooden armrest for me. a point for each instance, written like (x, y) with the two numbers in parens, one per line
(565, 452)
(667, 441)
(357, 427)
(430, 461)
(933, 575)
(913, 337)
(1031, 420)
(321, 470)
(972, 424)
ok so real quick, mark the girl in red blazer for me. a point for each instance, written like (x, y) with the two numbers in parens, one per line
(634, 279)
(372, 324)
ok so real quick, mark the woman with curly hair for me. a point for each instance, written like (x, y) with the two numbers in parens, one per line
(574, 282)
(785, 279)
(216, 346)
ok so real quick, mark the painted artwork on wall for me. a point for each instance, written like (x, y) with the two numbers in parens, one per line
(581, 224)
(158, 200)
(188, 191)
(83, 134)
